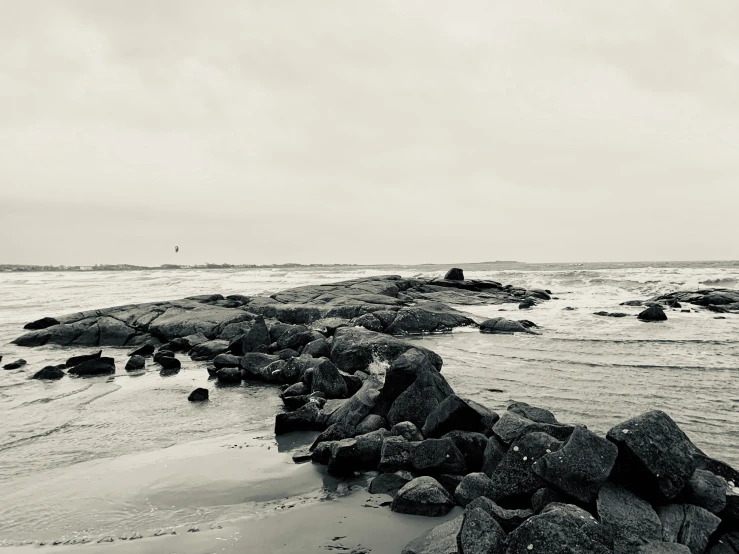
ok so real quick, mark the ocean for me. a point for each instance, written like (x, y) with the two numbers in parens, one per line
(65, 444)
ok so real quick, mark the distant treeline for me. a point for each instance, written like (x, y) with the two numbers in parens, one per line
(128, 267)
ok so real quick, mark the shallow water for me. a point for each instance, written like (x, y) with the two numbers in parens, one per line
(585, 368)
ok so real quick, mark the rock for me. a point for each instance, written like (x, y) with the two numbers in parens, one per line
(226, 360)
(653, 313)
(256, 337)
(727, 544)
(319, 348)
(335, 432)
(631, 519)
(436, 456)
(295, 338)
(511, 426)
(707, 490)
(145, 350)
(441, 539)
(292, 403)
(50, 372)
(611, 314)
(545, 496)
(472, 486)
(480, 534)
(395, 455)
(632, 303)
(472, 446)
(560, 529)
(495, 451)
(451, 414)
(163, 354)
(407, 430)
(359, 406)
(527, 303)
(454, 274)
(580, 467)
(229, 375)
(169, 364)
(296, 389)
(419, 400)
(502, 325)
(96, 366)
(42, 323)
(135, 362)
(328, 380)
(423, 496)
(16, 364)
(302, 456)
(654, 456)
(662, 548)
(372, 422)
(513, 479)
(77, 360)
(689, 525)
(254, 364)
(361, 452)
(198, 395)
(353, 382)
(370, 322)
(208, 350)
(303, 419)
(389, 483)
(507, 519)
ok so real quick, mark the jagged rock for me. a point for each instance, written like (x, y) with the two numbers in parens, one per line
(545, 496)
(208, 350)
(560, 529)
(631, 519)
(42, 323)
(229, 375)
(145, 350)
(580, 467)
(502, 325)
(169, 364)
(407, 430)
(254, 364)
(353, 382)
(727, 544)
(441, 539)
(372, 422)
(359, 406)
(539, 415)
(451, 414)
(395, 455)
(77, 360)
(707, 490)
(511, 426)
(507, 519)
(369, 322)
(436, 456)
(361, 452)
(50, 372)
(472, 446)
(419, 400)
(334, 432)
(135, 362)
(294, 402)
(454, 274)
(653, 313)
(226, 360)
(654, 456)
(16, 364)
(389, 483)
(472, 486)
(198, 395)
(96, 366)
(295, 338)
(495, 451)
(513, 478)
(480, 534)
(303, 419)
(423, 496)
(328, 380)
(257, 336)
(689, 525)
(319, 348)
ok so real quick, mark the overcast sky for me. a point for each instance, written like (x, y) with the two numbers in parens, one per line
(368, 131)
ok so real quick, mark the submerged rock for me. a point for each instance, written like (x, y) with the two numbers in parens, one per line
(16, 364)
(653, 313)
(76, 360)
(50, 372)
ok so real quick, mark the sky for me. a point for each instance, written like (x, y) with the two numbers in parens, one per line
(379, 131)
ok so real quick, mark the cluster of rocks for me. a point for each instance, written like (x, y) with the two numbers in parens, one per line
(713, 299)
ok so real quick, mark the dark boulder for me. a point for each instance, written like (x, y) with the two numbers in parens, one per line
(229, 375)
(208, 350)
(407, 430)
(655, 457)
(454, 274)
(441, 539)
(370, 322)
(653, 313)
(295, 338)
(560, 529)
(198, 395)
(543, 497)
(611, 314)
(135, 362)
(360, 453)
(303, 419)
(480, 534)
(727, 544)
(436, 456)
(507, 519)
(372, 422)
(319, 348)
(257, 336)
(359, 406)
(353, 382)
(511, 426)
(226, 360)
(495, 451)
(502, 325)
(451, 414)
(533, 413)
(663, 548)
(328, 380)
(163, 354)
(16, 364)
(296, 389)
(254, 364)
(472, 486)
(689, 525)
(389, 483)
(334, 432)
(472, 446)
(42, 323)
(527, 303)
(707, 490)
(77, 360)
(632, 520)
(145, 350)
(580, 467)
(169, 364)
(395, 455)
(50, 372)
(423, 496)
(96, 366)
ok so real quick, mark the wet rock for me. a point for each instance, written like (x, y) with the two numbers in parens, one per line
(632, 520)
(254, 364)
(507, 519)
(441, 539)
(50, 372)
(419, 400)
(372, 422)
(97, 366)
(473, 485)
(319, 348)
(198, 395)
(395, 455)
(707, 490)
(16, 364)
(390, 483)
(689, 525)
(480, 534)
(369, 322)
(208, 350)
(169, 364)
(360, 453)
(161, 353)
(539, 415)
(632, 303)
(436, 456)
(42, 323)
(328, 380)
(407, 430)
(135, 363)
(77, 360)
(353, 382)
(502, 325)
(294, 402)
(145, 350)
(527, 303)
(452, 414)
(359, 406)
(295, 338)
(257, 336)
(454, 274)
(226, 360)
(296, 389)
(611, 314)
(423, 496)
(303, 419)
(580, 467)
(229, 375)
(334, 432)
(653, 313)
(654, 456)
(495, 451)
(560, 529)
(514, 479)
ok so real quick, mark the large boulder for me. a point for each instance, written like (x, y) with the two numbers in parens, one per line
(395, 455)
(436, 456)
(77, 360)
(208, 350)
(360, 453)
(511, 426)
(472, 446)
(169, 364)
(423, 496)
(451, 414)
(495, 451)
(580, 467)
(198, 395)
(229, 375)
(226, 360)
(303, 419)
(296, 337)
(389, 483)
(653, 313)
(632, 520)
(257, 338)
(480, 534)
(655, 457)
(328, 380)
(407, 430)
(441, 539)
(96, 366)
(707, 490)
(318, 348)
(501, 325)
(50, 372)
(135, 363)
(472, 486)
(560, 529)
(689, 525)
(254, 366)
(454, 274)
(356, 408)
